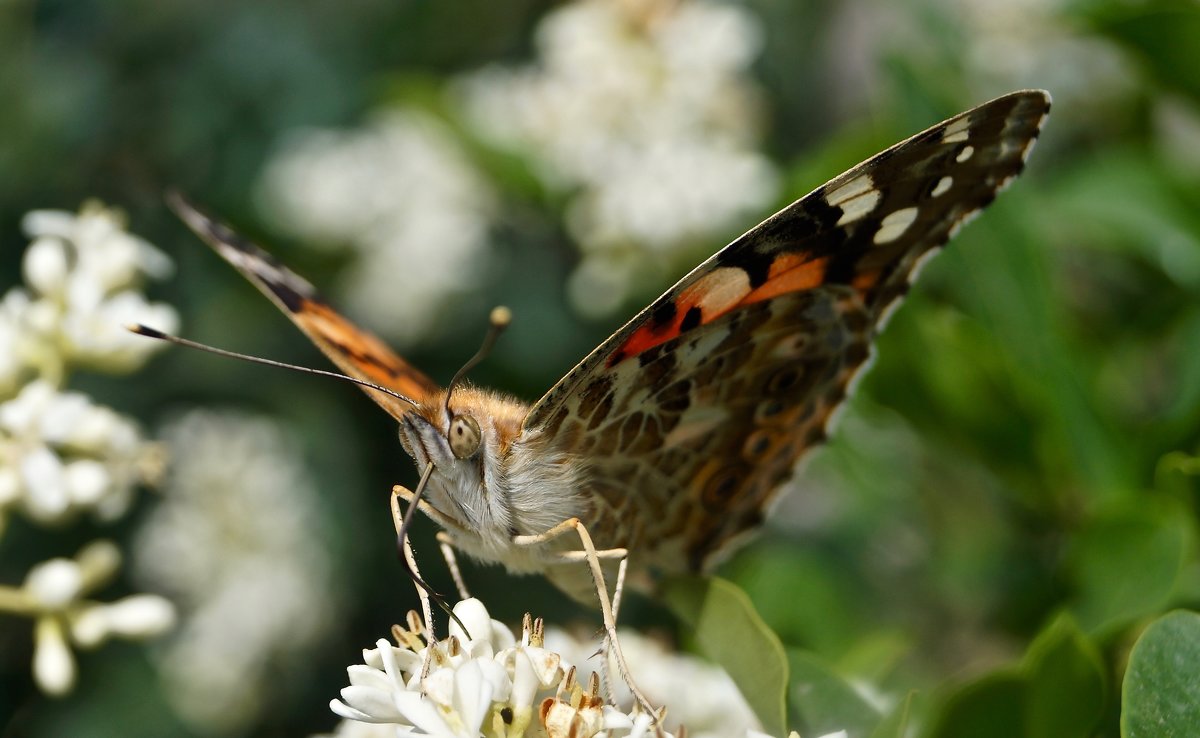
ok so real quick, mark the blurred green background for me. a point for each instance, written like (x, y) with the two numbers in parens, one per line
(1020, 449)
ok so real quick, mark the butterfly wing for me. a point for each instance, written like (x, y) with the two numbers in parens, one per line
(355, 351)
(693, 414)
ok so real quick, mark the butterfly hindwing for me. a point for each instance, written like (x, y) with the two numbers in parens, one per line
(699, 407)
(355, 351)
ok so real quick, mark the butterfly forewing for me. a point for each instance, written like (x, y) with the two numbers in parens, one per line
(355, 351)
(693, 414)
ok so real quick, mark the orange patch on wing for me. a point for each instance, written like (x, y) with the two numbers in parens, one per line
(361, 354)
(649, 335)
(722, 290)
(866, 281)
(790, 273)
(714, 294)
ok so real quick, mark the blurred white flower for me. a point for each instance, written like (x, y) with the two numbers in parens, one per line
(996, 46)
(646, 112)
(53, 594)
(1034, 43)
(83, 274)
(237, 542)
(404, 195)
(60, 454)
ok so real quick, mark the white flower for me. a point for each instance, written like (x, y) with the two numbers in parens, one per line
(53, 663)
(495, 686)
(357, 729)
(710, 704)
(130, 617)
(472, 683)
(237, 541)
(53, 593)
(60, 454)
(84, 273)
(646, 113)
(403, 194)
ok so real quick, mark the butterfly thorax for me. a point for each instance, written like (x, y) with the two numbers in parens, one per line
(516, 481)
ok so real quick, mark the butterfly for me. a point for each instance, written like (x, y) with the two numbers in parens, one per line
(673, 437)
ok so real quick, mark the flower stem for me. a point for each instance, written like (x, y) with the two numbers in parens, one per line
(17, 602)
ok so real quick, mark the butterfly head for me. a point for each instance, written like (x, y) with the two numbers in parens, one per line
(467, 439)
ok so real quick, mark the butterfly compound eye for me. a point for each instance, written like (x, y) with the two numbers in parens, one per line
(464, 436)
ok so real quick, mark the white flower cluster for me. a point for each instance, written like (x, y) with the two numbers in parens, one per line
(403, 194)
(61, 454)
(645, 112)
(1031, 41)
(237, 541)
(53, 593)
(489, 684)
(710, 707)
(83, 274)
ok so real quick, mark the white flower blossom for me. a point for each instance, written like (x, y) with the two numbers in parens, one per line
(645, 113)
(711, 706)
(496, 686)
(403, 194)
(54, 594)
(60, 454)
(83, 274)
(233, 542)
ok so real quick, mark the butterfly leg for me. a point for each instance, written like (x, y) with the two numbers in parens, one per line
(619, 588)
(411, 560)
(446, 543)
(592, 557)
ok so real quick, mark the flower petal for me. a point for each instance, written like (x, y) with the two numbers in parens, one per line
(475, 616)
(376, 705)
(53, 663)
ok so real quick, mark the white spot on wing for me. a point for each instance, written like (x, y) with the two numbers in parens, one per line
(957, 130)
(853, 188)
(942, 185)
(857, 198)
(894, 225)
(965, 154)
(859, 207)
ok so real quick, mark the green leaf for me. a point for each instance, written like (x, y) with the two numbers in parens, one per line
(1058, 692)
(1126, 566)
(730, 632)
(823, 702)
(1161, 692)
(771, 574)
(1065, 688)
(992, 707)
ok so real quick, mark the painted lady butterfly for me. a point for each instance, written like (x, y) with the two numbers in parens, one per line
(674, 435)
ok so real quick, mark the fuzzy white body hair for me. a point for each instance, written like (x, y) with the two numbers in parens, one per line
(517, 483)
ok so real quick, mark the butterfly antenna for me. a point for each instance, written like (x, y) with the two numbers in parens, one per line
(402, 535)
(497, 322)
(143, 330)
(149, 332)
